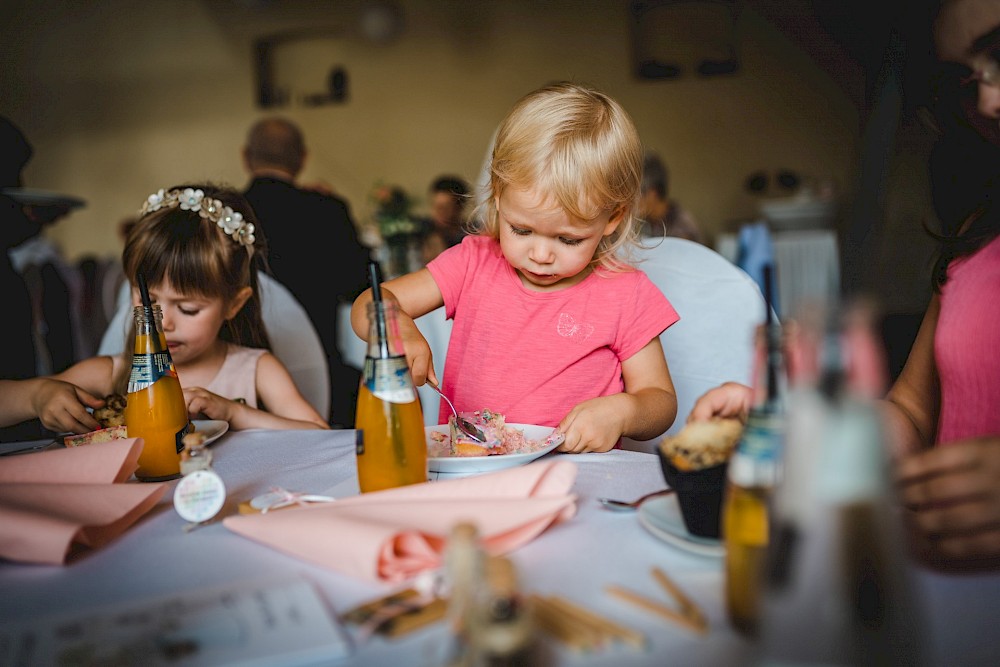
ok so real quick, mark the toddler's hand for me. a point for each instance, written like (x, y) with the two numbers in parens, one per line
(203, 403)
(419, 357)
(730, 399)
(592, 426)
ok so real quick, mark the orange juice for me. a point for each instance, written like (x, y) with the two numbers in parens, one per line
(745, 526)
(155, 411)
(392, 448)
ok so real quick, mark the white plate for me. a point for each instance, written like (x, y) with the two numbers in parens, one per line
(472, 464)
(212, 428)
(30, 197)
(662, 517)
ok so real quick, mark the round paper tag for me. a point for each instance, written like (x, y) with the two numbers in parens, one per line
(199, 496)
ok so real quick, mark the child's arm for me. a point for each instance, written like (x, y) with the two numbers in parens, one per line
(417, 294)
(60, 406)
(283, 406)
(644, 410)
(95, 375)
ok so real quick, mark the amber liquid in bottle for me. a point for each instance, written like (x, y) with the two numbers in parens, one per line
(754, 471)
(156, 411)
(392, 446)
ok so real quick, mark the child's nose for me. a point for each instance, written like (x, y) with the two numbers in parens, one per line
(989, 100)
(541, 252)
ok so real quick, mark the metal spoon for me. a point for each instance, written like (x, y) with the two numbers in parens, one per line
(464, 425)
(627, 505)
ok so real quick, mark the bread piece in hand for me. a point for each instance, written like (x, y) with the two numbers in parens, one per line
(113, 412)
(702, 444)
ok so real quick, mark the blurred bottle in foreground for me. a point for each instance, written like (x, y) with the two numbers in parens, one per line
(754, 470)
(836, 590)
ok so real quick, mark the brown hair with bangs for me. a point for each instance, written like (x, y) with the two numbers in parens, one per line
(199, 258)
(580, 148)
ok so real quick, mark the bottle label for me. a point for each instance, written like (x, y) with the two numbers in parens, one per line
(179, 438)
(757, 461)
(389, 380)
(148, 368)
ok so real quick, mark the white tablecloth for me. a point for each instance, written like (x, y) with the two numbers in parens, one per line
(576, 559)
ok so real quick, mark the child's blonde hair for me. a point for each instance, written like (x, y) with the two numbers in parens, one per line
(581, 148)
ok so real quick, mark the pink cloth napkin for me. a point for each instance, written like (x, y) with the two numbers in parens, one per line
(394, 535)
(51, 500)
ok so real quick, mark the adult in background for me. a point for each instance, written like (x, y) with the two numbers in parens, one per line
(661, 215)
(313, 245)
(446, 224)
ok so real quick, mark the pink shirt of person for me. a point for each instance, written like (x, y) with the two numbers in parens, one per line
(965, 347)
(533, 356)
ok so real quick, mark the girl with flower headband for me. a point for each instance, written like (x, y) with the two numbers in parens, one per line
(552, 325)
(199, 248)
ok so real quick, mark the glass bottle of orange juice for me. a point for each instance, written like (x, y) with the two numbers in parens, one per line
(155, 410)
(391, 445)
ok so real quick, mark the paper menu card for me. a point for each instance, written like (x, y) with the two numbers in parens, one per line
(277, 623)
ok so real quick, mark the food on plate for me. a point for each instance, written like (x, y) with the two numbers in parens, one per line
(112, 420)
(702, 444)
(501, 438)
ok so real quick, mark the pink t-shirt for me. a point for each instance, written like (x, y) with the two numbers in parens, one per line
(967, 347)
(533, 356)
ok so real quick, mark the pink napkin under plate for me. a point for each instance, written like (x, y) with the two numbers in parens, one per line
(394, 535)
(52, 501)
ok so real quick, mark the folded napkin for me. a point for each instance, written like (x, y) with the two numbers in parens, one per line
(51, 500)
(395, 534)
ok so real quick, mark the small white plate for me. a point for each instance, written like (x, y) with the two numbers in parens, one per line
(662, 517)
(474, 464)
(212, 428)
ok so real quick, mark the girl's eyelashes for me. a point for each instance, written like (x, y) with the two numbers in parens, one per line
(188, 311)
(521, 231)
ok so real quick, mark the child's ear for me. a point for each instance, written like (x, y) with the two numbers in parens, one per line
(615, 220)
(239, 301)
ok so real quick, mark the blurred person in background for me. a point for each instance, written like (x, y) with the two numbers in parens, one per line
(661, 215)
(18, 224)
(313, 245)
(446, 224)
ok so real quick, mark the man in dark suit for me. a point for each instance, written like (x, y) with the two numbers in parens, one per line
(313, 246)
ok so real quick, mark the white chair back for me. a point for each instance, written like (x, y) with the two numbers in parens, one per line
(293, 338)
(720, 307)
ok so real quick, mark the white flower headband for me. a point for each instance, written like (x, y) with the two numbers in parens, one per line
(189, 199)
